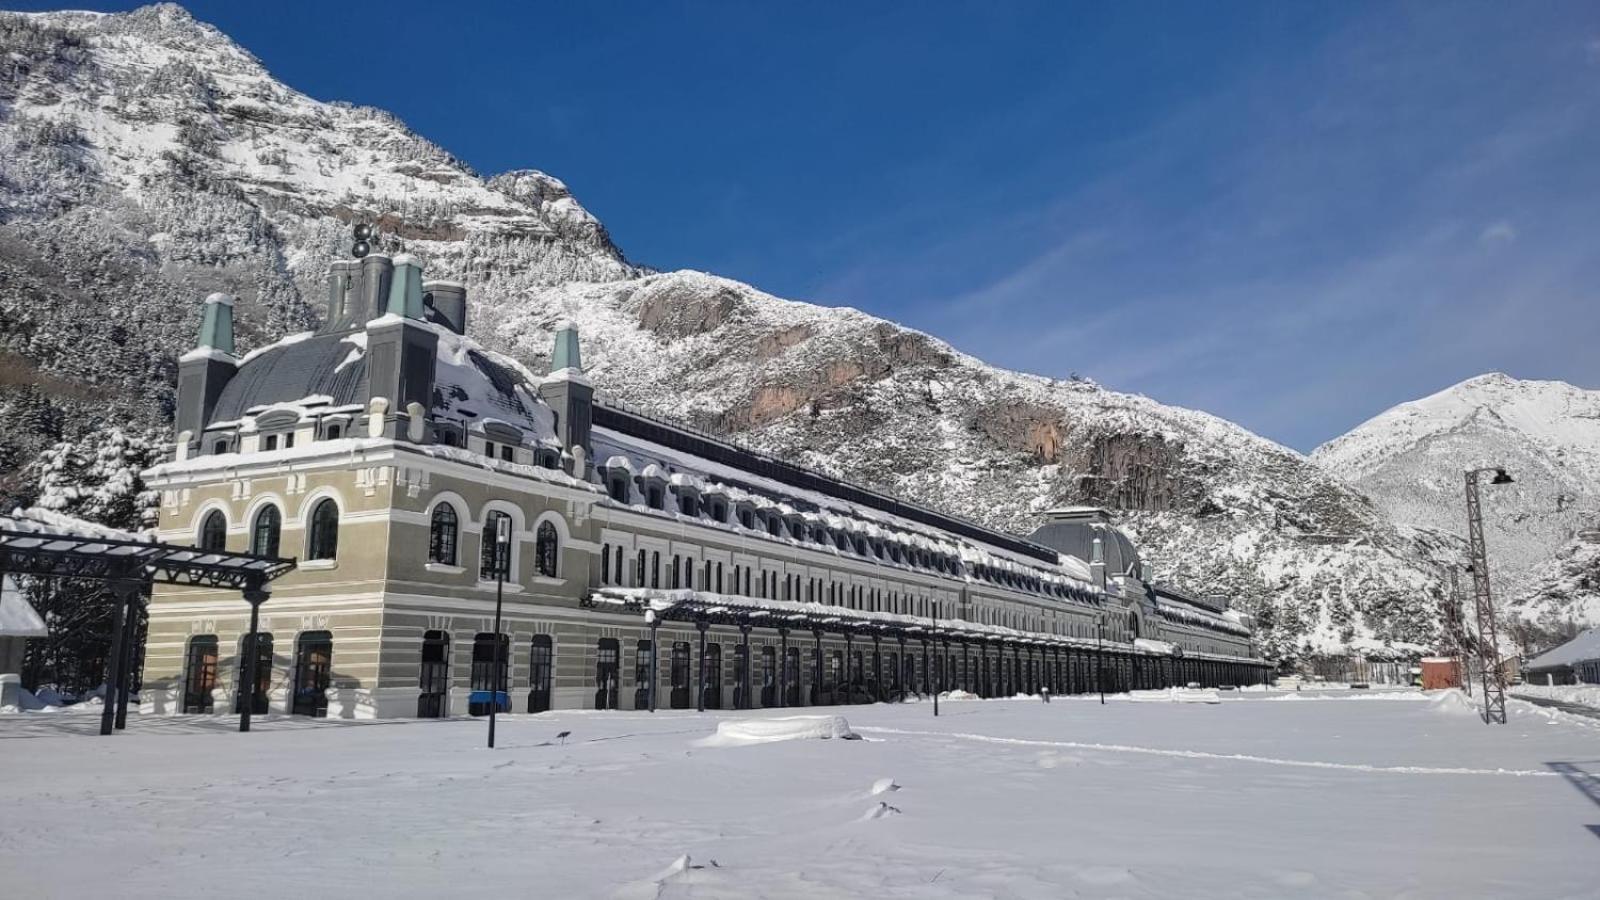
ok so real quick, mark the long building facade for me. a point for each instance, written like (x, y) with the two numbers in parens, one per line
(418, 478)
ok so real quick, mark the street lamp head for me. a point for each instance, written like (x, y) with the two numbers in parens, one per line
(1500, 477)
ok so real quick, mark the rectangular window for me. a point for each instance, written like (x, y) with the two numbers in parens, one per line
(272, 442)
(506, 452)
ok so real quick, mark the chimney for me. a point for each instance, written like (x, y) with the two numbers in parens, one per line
(204, 371)
(376, 272)
(567, 391)
(400, 350)
(344, 291)
(448, 302)
(405, 288)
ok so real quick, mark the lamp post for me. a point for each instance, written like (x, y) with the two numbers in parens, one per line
(1100, 655)
(936, 687)
(502, 558)
(1492, 675)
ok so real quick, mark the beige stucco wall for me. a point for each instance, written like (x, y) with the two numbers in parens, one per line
(381, 595)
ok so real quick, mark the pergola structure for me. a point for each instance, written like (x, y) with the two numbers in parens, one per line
(983, 659)
(42, 544)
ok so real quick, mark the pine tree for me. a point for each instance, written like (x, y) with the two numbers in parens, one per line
(97, 479)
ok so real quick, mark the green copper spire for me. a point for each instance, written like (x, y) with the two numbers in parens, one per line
(216, 325)
(566, 354)
(405, 290)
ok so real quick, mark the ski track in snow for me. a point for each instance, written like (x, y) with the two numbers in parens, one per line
(1200, 754)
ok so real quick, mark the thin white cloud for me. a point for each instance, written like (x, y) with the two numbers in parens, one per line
(1499, 232)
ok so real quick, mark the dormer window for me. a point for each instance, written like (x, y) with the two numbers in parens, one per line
(618, 487)
(220, 447)
(335, 432)
(747, 518)
(270, 442)
(507, 453)
(488, 449)
(687, 504)
(718, 511)
(774, 528)
(654, 497)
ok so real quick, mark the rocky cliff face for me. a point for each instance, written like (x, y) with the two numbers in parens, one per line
(146, 160)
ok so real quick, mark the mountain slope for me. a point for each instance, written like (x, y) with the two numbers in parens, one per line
(1410, 460)
(146, 160)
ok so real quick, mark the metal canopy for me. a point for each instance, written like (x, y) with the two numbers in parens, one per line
(47, 545)
(61, 555)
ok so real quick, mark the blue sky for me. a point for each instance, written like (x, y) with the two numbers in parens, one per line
(1292, 215)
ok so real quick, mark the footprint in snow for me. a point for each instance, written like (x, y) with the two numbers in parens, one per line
(880, 811)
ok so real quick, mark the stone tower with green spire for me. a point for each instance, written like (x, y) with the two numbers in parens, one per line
(568, 392)
(204, 371)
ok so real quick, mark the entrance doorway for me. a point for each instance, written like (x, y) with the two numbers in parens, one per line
(433, 680)
(201, 674)
(541, 663)
(313, 673)
(258, 699)
(607, 672)
(713, 685)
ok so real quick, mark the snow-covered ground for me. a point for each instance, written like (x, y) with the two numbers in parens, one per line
(1263, 795)
(1576, 694)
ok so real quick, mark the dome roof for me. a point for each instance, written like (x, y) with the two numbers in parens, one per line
(293, 370)
(1072, 532)
(469, 386)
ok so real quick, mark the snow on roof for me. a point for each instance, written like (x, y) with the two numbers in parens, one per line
(38, 520)
(838, 515)
(1585, 646)
(281, 342)
(18, 618)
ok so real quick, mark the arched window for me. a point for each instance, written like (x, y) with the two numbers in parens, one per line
(264, 533)
(442, 534)
(491, 560)
(546, 549)
(214, 532)
(323, 542)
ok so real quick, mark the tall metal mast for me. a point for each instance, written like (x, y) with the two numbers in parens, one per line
(1493, 675)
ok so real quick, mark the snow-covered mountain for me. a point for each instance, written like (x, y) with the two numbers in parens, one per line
(146, 160)
(1410, 460)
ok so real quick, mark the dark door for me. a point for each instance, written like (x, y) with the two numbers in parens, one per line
(258, 700)
(201, 674)
(433, 678)
(541, 663)
(791, 674)
(713, 685)
(490, 657)
(642, 664)
(313, 672)
(769, 676)
(741, 673)
(680, 675)
(607, 673)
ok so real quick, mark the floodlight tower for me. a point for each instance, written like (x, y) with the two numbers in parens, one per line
(1494, 677)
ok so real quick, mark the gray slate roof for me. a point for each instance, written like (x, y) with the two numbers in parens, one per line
(289, 372)
(1077, 539)
(1585, 646)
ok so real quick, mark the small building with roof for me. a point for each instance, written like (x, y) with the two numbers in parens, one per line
(1575, 662)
